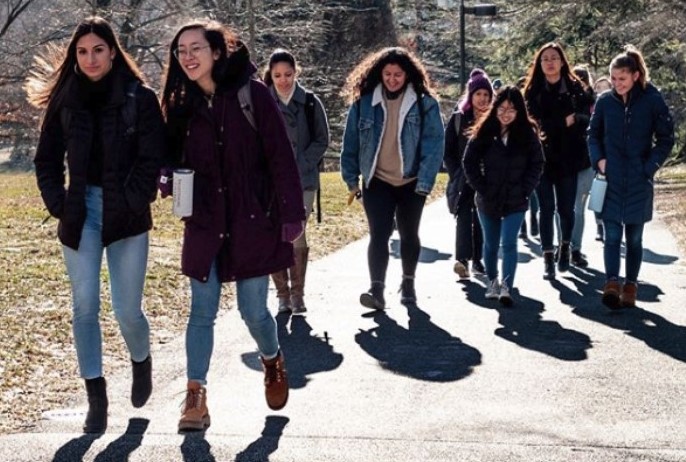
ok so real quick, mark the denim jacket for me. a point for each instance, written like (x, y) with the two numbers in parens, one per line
(364, 131)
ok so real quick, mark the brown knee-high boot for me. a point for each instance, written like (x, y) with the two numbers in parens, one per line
(298, 272)
(283, 293)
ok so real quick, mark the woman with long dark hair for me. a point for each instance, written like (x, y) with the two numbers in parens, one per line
(393, 140)
(247, 199)
(557, 101)
(503, 162)
(101, 117)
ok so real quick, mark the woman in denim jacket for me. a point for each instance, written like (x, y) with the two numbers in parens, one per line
(394, 140)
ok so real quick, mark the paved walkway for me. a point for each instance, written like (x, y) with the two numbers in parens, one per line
(457, 378)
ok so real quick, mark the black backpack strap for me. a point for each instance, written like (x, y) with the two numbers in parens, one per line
(129, 111)
(245, 100)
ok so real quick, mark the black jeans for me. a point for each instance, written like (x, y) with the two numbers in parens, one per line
(558, 195)
(469, 241)
(382, 202)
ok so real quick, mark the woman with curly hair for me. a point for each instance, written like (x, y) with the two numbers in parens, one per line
(393, 141)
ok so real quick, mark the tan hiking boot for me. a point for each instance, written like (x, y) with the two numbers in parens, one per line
(195, 415)
(611, 294)
(275, 382)
(628, 296)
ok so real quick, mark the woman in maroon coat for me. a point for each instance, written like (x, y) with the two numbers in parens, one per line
(247, 199)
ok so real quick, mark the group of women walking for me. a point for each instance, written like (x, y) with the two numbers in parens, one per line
(254, 148)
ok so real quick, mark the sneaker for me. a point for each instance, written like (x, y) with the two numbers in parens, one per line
(579, 259)
(373, 298)
(284, 304)
(275, 382)
(461, 269)
(628, 296)
(407, 292)
(195, 415)
(493, 290)
(611, 294)
(478, 267)
(505, 298)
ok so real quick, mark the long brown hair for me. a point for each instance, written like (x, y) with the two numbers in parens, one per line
(535, 79)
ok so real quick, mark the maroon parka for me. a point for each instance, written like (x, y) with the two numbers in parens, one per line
(246, 185)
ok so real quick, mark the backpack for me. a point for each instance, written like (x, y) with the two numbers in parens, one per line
(129, 112)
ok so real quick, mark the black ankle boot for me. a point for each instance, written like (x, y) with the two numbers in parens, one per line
(141, 385)
(407, 292)
(373, 298)
(578, 259)
(96, 418)
(563, 262)
(549, 266)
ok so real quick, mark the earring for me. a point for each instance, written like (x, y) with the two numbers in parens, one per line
(76, 69)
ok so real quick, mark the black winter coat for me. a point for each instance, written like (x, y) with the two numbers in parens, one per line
(459, 193)
(131, 162)
(503, 176)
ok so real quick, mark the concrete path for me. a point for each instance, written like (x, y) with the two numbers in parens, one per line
(458, 378)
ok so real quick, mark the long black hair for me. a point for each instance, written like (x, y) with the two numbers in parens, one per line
(522, 128)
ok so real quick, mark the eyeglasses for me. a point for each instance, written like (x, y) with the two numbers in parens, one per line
(549, 60)
(506, 111)
(194, 51)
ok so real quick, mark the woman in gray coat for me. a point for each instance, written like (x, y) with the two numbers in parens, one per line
(308, 132)
(630, 135)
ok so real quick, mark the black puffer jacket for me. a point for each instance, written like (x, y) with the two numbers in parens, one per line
(459, 193)
(131, 161)
(503, 176)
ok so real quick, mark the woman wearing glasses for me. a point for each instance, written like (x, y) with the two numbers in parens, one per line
(247, 199)
(558, 102)
(113, 151)
(503, 162)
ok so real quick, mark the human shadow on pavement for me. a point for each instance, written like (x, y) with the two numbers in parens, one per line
(649, 327)
(120, 449)
(75, 449)
(260, 449)
(195, 448)
(426, 255)
(659, 259)
(306, 354)
(423, 351)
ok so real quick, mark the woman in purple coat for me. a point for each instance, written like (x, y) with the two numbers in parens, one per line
(247, 199)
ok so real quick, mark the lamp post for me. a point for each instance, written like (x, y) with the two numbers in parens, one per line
(484, 9)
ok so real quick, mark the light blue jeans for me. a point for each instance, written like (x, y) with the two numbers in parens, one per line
(501, 232)
(126, 261)
(252, 305)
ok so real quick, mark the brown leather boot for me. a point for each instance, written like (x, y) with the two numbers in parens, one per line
(275, 382)
(283, 293)
(195, 415)
(298, 272)
(628, 297)
(611, 294)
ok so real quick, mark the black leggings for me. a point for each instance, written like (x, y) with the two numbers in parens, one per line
(383, 202)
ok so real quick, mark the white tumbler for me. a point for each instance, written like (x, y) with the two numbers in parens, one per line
(183, 192)
(597, 197)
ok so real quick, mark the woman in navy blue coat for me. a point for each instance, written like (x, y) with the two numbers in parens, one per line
(630, 135)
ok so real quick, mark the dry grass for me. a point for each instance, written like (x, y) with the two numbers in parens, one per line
(38, 368)
(670, 201)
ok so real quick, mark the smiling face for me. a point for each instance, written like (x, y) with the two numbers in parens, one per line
(197, 58)
(551, 64)
(481, 99)
(283, 76)
(623, 80)
(393, 77)
(506, 114)
(93, 56)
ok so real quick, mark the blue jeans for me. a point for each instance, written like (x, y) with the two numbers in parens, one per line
(252, 305)
(557, 196)
(633, 235)
(126, 262)
(501, 232)
(583, 188)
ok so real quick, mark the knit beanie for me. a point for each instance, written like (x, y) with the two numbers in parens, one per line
(478, 80)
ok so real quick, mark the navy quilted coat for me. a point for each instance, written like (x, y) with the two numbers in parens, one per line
(636, 139)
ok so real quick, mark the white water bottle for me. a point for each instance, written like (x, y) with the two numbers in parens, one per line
(183, 192)
(598, 190)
